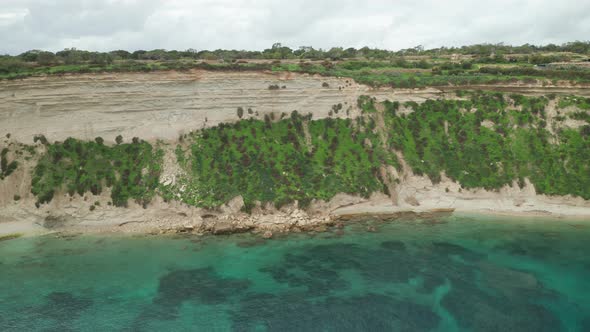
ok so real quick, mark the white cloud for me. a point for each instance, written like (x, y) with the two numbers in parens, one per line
(256, 24)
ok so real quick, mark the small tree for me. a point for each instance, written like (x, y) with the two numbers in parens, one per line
(119, 139)
(99, 140)
(240, 112)
(46, 58)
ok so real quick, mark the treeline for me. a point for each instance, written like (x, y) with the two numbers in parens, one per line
(580, 47)
(279, 51)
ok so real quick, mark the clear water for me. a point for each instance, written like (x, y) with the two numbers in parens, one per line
(459, 273)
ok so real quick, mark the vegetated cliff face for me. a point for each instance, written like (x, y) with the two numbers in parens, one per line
(397, 148)
(159, 105)
(162, 105)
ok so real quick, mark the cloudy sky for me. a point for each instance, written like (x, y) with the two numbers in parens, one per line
(256, 24)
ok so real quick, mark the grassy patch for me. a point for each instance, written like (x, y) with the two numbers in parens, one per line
(575, 101)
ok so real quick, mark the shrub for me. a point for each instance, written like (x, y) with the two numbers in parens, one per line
(6, 168)
(40, 138)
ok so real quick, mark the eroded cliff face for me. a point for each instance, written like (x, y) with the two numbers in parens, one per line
(159, 105)
(164, 105)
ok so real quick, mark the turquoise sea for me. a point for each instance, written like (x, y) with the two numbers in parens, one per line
(457, 273)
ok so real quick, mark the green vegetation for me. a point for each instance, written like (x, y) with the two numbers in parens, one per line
(6, 168)
(396, 74)
(485, 140)
(276, 162)
(408, 68)
(578, 102)
(130, 170)
(448, 136)
(366, 104)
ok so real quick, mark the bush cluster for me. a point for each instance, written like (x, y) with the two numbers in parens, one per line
(275, 162)
(445, 136)
(130, 170)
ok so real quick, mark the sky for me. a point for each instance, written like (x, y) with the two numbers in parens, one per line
(104, 25)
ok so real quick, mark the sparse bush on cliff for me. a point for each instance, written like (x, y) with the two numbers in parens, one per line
(40, 138)
(6, 168)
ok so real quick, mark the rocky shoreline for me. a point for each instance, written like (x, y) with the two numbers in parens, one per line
(74, 215)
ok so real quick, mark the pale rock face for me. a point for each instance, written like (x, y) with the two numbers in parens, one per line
(234, 205)
(159, 105)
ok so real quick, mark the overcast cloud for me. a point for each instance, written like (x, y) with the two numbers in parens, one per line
(256, 24)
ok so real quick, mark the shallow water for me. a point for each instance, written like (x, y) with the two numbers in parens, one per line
(459, 273)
